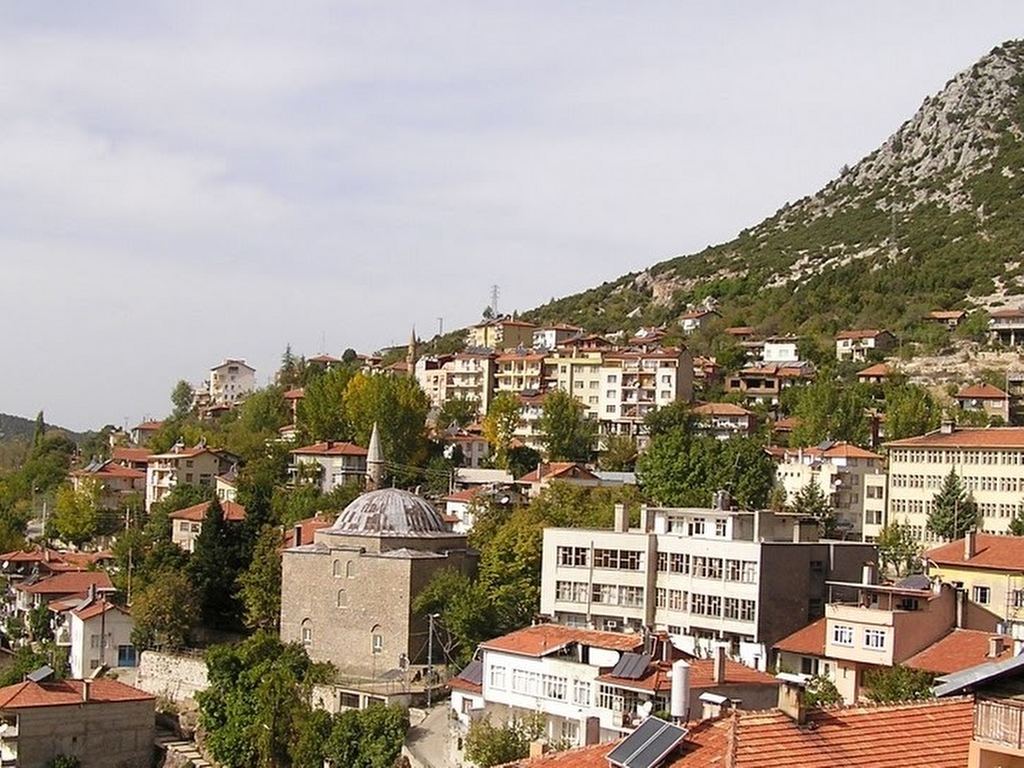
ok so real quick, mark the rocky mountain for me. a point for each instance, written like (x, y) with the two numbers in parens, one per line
(932, 219)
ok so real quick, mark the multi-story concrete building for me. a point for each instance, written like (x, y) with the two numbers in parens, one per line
(191, 466)
(501, 333)
(470, 376)
(764, 384)
(552, 336)
(725, 420)
(519, 371)
(116, 486)
(187, 524)
(852, 479)
(989, 462)
(1007, 326)
(985, 399)
(706, 576)
(857, 344)
(231, 381)
(348, 595)
(100, 634)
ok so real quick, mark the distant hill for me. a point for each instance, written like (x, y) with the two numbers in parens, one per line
(932, 219)
(15, 427)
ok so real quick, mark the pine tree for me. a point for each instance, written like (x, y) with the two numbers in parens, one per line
(954, 511)
(213, 569)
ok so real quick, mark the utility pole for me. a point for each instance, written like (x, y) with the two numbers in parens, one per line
(430, 653)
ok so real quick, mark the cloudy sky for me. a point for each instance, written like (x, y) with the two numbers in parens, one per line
(184, 182)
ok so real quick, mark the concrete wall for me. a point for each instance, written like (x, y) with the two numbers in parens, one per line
(100, 735)
(175, 677)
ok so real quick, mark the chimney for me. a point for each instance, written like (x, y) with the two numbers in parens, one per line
(591, 730)
(538, 748)
(791, 696)
(85, 689)
(995, 646)
(645, 519)
(718, 670)
(298, 536)
(868, 573)
(970, 544)
(948, 427)
(621, 519)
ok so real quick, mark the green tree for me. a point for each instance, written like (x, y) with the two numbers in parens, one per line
(619, 454)
(674, 417)
(522, 459)
(909, 410)
(164, 612)
(821, 692)
(680, 469)
(899, 683)
(489, 745)
(398, 406)
(811, 501)
(260, 583)
(214, 566)
(466, 615)
(367, 738)
(954, 511)
(1017, 524)
(830, 410)
(898, 549)
(321, 412)
(76, 513)
(500, 425)
(456, 411)
(40, 430)
(181, 398)
(566, 433)
(39, 626)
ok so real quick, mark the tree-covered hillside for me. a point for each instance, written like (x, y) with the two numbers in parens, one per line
(933, 219)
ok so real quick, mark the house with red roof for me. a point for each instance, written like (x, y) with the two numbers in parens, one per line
(936, 733)
(725, 420)
(874, 374)
(537, 479)
(857, 345)
(101, 722)
(100, 634)
(144, 431)
(136, 458)
(33, 592)
(765, 383)
(696, 319)
(330, 464)
(113, 483)
(187, 524)
(852, 478)
(985, 399)
(198, 465)
(1006, 326)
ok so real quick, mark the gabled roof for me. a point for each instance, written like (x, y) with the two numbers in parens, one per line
(981, 392)
(976, 437)
(840, 450)
(110, 469)
(135, 455)
(983, 674)
(960, 649)
(998, 553)
(544, 639)
(721, 409)
(1013, 312)
(60, 693)
(322, 358)
(69, 583)
(871, 333)
(96, 608)
(331, 448)
(150, 425)
(558, 470)
(295, 394)
(877, 370)
(657, 678)
(935, 733)
(307, 528)
(807, 641)
(233, 512)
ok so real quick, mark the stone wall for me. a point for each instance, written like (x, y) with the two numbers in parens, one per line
(176, 677)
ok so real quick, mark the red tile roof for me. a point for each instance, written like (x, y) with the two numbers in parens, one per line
(70, 583)
(981, 392)
(308, 527)
(808, 641)
(135, 455)
(1007, 313)
(466, 495)
(62, 693)
(560, 470)
(1001, 553)
(233, 512)
(295, 394)
(542, 639)
(860, 334)
(722, 409)
(934, 733)
(657, 678)
(331, 448)
(97, 608)
(960, 649)
(835, 451)
(111, 469)
(876, 370)
(977, 437)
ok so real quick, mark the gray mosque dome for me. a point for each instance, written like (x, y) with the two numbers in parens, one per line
(389, 512)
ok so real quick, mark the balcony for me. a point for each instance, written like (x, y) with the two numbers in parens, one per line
(999, 722)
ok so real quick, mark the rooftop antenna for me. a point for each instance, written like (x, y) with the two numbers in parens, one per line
(494, 300)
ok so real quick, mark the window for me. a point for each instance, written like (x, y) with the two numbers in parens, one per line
(842, 634)
(720, 528)
(336, 568)
(183, 526)
(378, 643)
(342, 598)
(874, 639)
(581, 692)
(609, 408)
(349, 570)
(982, 595)
(613, 378)
(497, 678)
(573, 556)
(307, 633)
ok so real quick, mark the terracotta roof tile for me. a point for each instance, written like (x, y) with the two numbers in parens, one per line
(331, 448)
(702, 676)
(559, 470)
(295, 394)
(878, 369)
(979, 437)
(96, 608)
(111, 469)
(70, 583)
(233, 512)
(150, 425)
(1004, 553)
(119, 453)
(542, 639)
(308, 527)
(860, 334)
(67, 693)
(981, 392)
(722, 409)
(809, 641)
(959, 650)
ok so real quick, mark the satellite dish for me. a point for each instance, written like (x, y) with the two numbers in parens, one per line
(645, 709)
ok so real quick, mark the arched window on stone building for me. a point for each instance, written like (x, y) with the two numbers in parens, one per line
(337, 568)
(307, 633)
(342, 598)
(350, 569)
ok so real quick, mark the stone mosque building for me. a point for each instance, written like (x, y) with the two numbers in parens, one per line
(347, 595)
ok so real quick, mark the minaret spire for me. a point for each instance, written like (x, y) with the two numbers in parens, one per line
(374, 461)
(410, 357)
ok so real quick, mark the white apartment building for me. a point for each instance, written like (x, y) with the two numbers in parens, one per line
(470, 376)
(988, 460)
(851, 478)
(780, 349)
(191, 466)
(705, 576)
(231, 381)
(99, 633)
